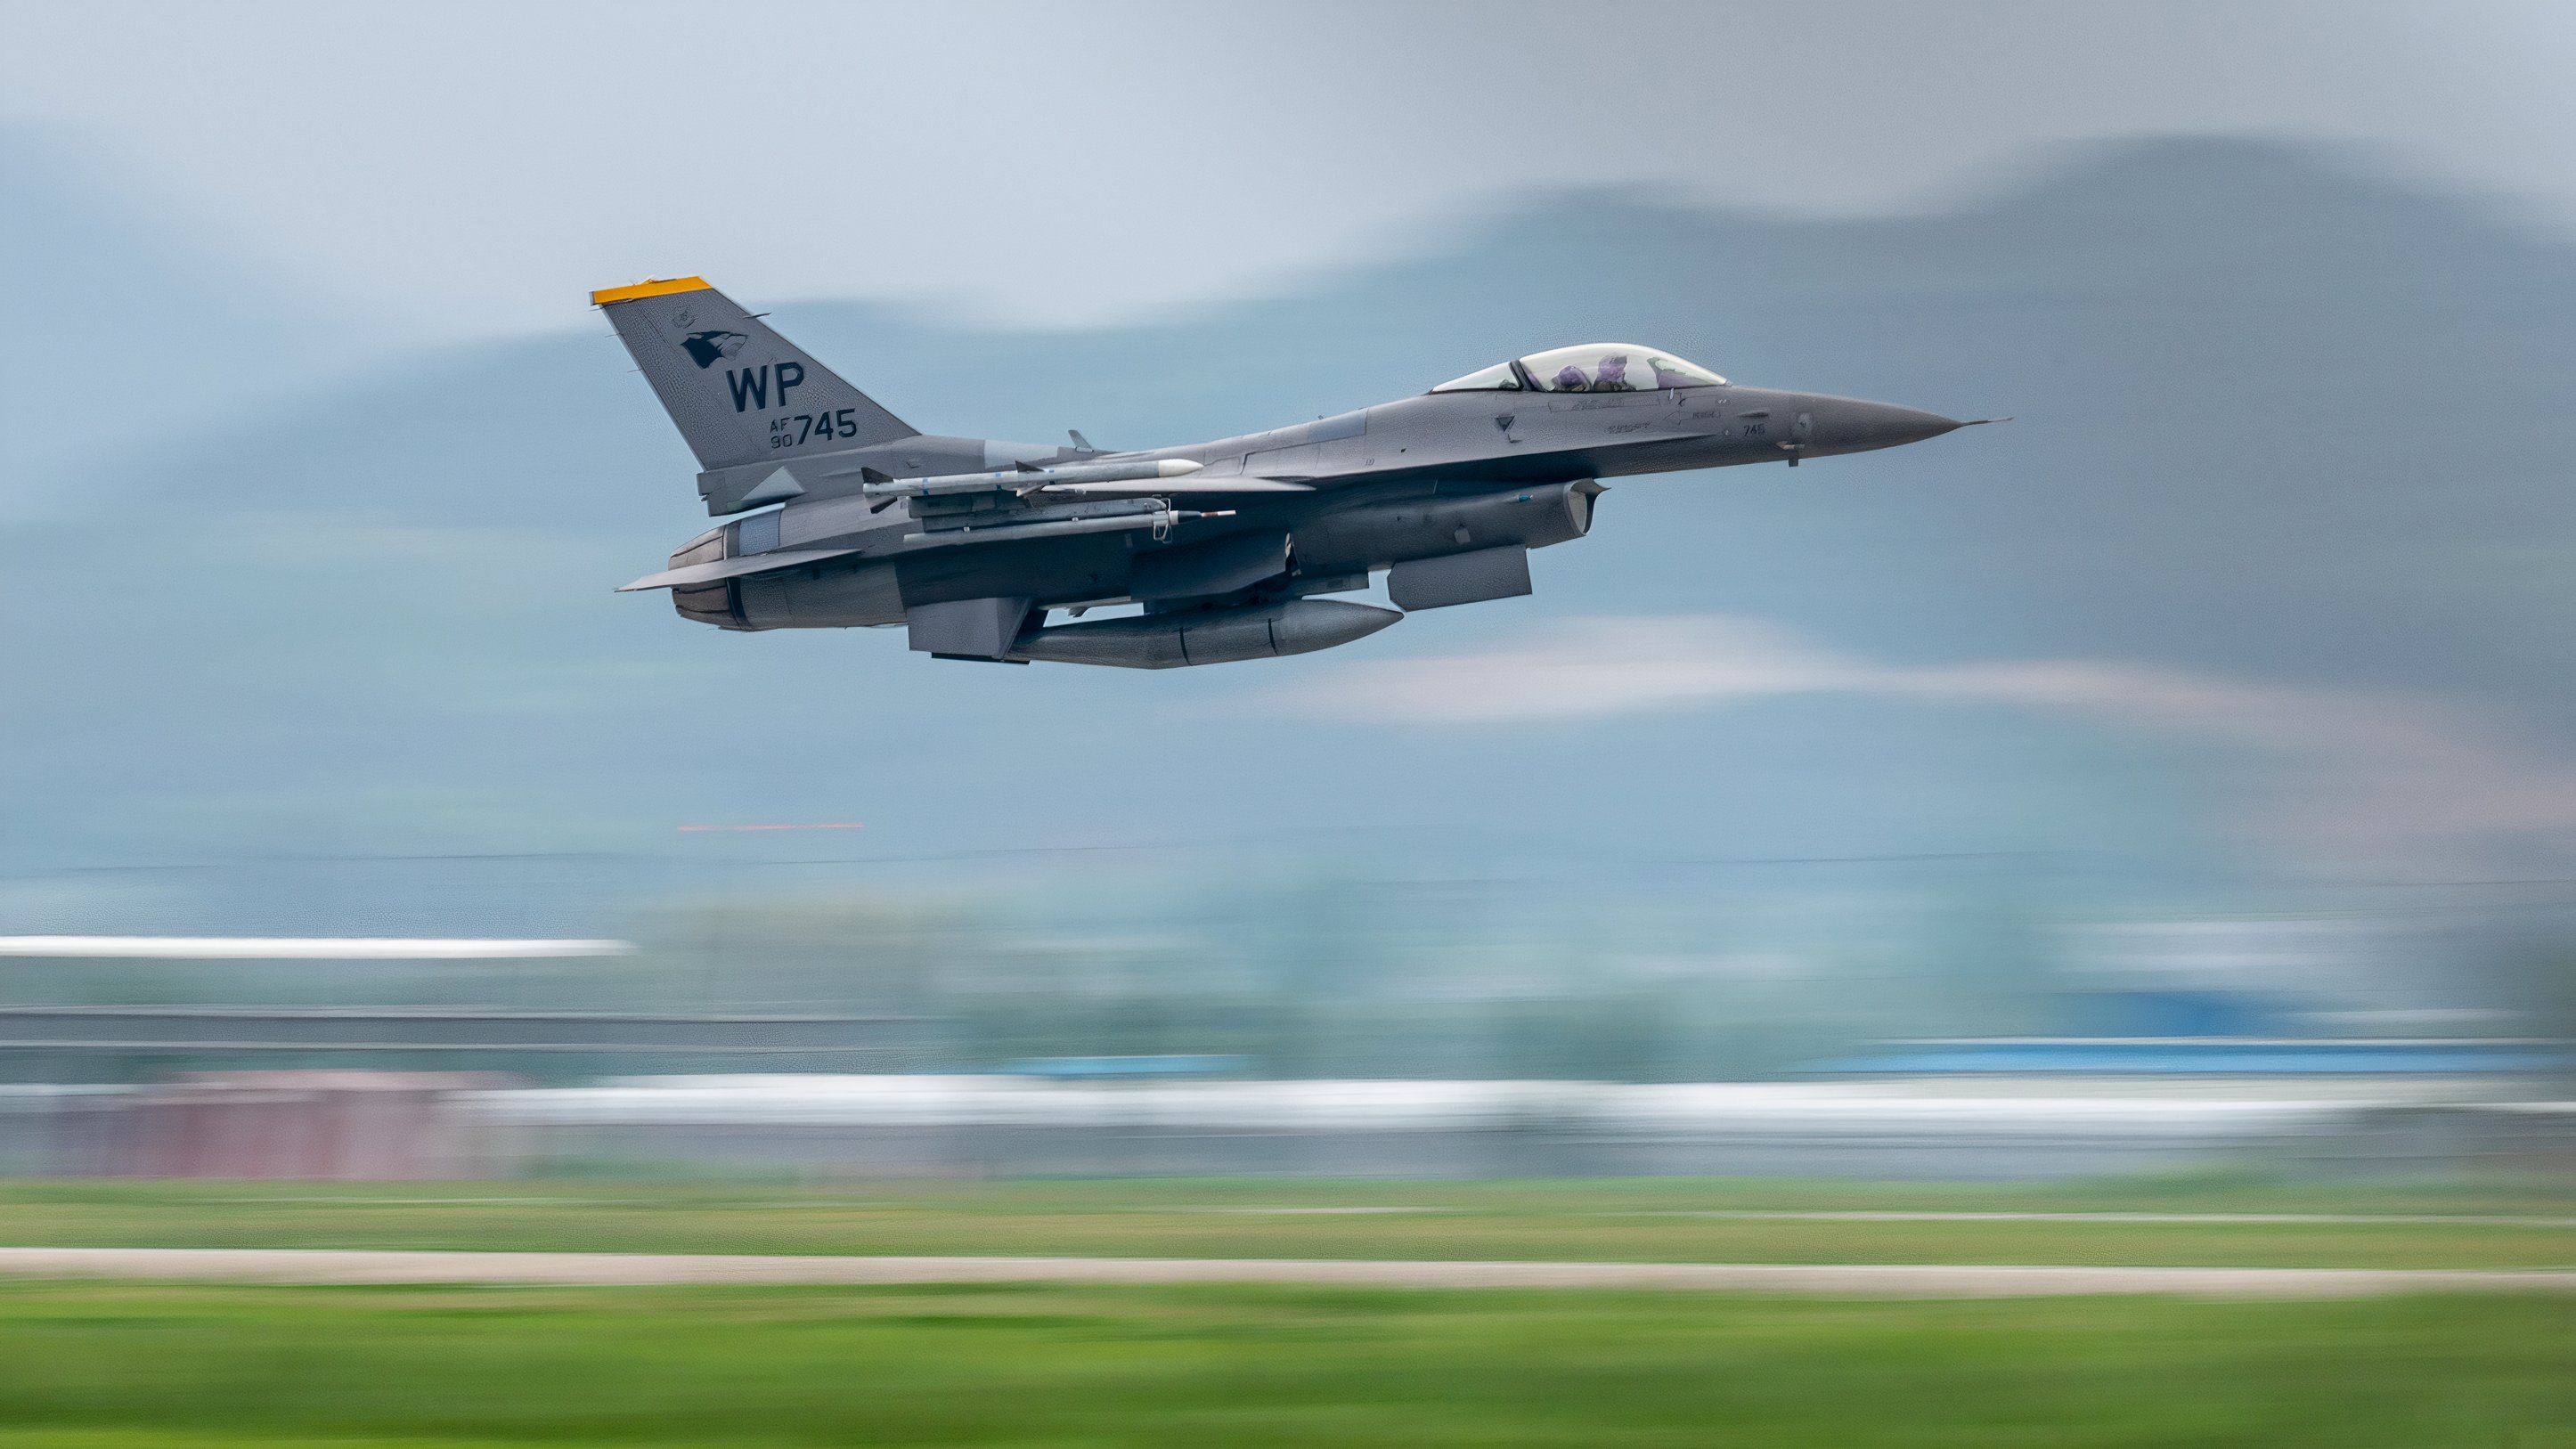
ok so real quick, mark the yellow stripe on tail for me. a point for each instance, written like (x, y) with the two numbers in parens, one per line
(606, 295)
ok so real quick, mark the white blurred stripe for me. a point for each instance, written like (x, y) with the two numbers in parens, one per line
(301, 948)
(1804, 1112)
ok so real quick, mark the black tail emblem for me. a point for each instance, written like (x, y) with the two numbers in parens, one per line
(706, 349)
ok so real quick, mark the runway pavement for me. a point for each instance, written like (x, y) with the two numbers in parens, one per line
(1856, 1280)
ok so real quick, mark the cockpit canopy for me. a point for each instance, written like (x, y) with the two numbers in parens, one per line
(1588, 367)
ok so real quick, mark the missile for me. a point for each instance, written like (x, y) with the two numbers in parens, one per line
(1007, 532)
(1029, 480)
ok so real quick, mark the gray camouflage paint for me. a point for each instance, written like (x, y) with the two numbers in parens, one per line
(1447, 491)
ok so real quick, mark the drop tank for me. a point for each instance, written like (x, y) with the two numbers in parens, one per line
(1174, 640)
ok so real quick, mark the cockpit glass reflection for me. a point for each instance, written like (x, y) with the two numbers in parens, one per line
(1613, 367)
(1590, 367)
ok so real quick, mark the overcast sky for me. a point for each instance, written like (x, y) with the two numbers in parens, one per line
(469, 169)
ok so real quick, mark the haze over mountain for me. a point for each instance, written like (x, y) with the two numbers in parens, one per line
(125, 328)
(2284, 489)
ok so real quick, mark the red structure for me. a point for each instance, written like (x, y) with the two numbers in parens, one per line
(351, 1125)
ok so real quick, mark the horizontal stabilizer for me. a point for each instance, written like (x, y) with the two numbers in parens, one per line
(733, 568)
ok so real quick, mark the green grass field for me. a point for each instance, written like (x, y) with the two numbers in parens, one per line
(115, 1365)
(1672, 1220)
(97, 1365)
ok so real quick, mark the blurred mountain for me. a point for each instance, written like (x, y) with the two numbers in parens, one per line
(2280, 420)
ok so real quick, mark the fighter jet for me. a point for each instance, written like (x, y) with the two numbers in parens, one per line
(851, 518)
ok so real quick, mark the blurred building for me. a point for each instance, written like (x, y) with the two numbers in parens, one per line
(349, 1125)
(848, 1036)
(98, 1009)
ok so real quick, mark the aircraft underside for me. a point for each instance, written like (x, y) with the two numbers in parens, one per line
(1212, 590)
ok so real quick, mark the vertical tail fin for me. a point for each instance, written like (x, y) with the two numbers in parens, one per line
(740, 393)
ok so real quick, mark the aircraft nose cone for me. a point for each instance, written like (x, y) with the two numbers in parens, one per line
(1857, 425)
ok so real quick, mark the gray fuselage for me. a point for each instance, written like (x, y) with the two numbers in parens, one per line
(1376, 490)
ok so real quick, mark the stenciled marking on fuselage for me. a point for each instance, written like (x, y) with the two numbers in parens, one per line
(750, 386)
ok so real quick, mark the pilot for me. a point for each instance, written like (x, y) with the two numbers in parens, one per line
(1612, 375)
(1570, 378)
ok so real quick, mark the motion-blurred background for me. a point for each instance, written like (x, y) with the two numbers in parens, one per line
(2183, 773)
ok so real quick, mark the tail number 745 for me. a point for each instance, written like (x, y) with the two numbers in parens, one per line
(790, 432)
